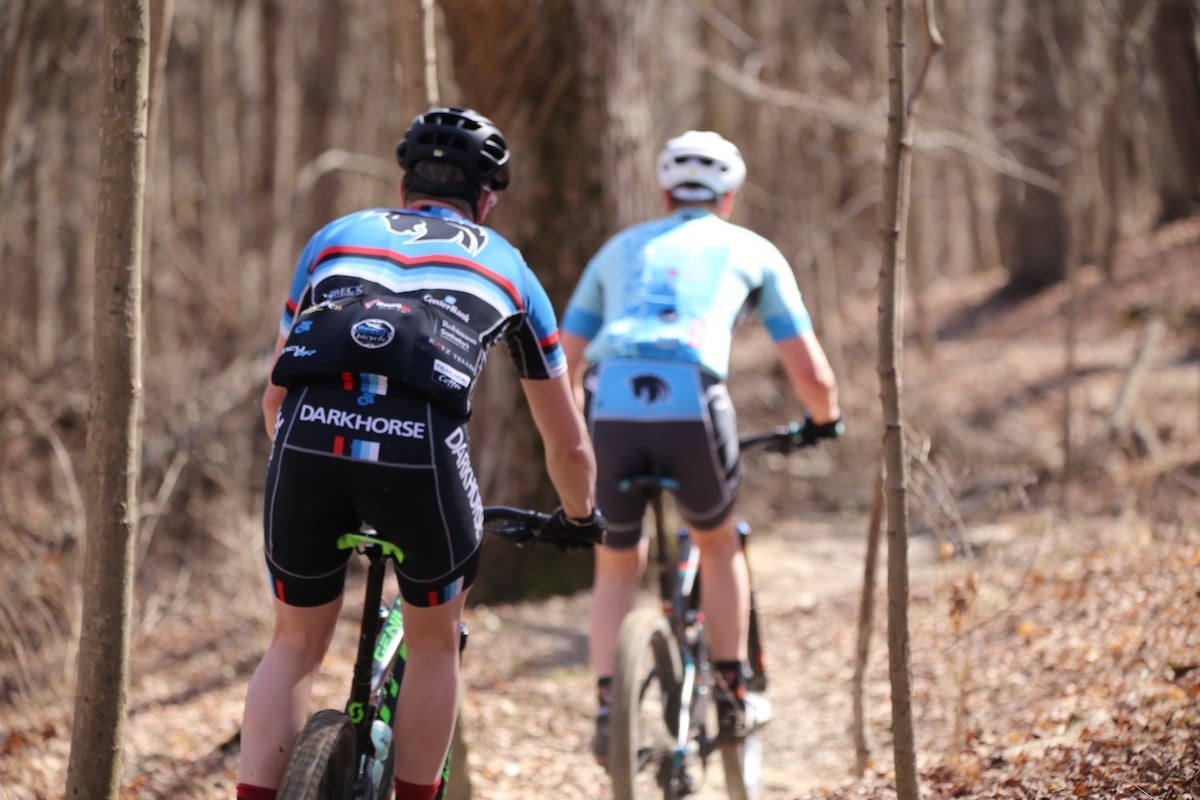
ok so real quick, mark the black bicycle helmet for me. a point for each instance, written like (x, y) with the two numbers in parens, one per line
(458, 136)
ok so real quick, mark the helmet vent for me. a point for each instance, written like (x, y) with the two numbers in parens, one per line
(461, 137)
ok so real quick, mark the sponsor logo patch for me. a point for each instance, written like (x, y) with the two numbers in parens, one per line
(459, 445)
(449, 376)
(372, 333)
(447, 303)
(342, 291)
(387, 305)
(363, 423)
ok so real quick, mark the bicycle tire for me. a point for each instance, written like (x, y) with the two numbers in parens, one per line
(742, 762)
(645, 704)
(321, 766)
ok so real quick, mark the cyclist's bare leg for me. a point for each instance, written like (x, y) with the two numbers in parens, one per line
(278, 695)
(618, 574)
(724, 590)
(429, 695)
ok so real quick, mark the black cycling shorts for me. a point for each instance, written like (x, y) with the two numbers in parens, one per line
(665, 419)
(345, 455)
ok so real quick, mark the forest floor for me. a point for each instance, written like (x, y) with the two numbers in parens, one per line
(1054, 653)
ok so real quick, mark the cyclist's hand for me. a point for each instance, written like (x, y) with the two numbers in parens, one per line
(565, 532)
(812, 432)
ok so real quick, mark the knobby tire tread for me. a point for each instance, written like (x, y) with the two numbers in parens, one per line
(643, 630)
(742, 764)
(321, 766)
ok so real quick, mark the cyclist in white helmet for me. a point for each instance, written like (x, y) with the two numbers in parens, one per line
(647, 335)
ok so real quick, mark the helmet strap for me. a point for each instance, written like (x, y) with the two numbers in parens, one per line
(725, 205)
(487, 201)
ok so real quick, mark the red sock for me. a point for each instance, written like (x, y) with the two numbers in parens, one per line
(247, 792)
(416, 791)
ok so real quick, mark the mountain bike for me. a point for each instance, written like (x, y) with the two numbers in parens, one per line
(662, 725)
(348, 753)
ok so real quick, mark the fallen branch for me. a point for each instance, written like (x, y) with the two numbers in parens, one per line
(1121, 424)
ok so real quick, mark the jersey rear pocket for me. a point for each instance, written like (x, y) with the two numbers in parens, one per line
(398, 336)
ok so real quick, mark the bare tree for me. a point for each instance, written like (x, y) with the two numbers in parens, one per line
(416, 32)
(1175, 43)
(1031, 217)
(113, 450)
(894, 222)
(582, 164)
(866, 614)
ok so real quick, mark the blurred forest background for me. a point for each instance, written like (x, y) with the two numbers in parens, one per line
(1048, 133)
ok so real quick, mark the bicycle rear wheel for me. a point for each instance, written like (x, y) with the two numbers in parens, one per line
(645, 706)
(321, 766)
(743, 760)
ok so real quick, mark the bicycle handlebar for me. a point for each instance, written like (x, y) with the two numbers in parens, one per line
(524, 526)
(519, 525)
(783, 439)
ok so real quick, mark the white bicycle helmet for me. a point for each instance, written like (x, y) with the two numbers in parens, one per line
(700, 166)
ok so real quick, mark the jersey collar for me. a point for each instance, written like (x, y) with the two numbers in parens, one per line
(441, 212)
(691, 212)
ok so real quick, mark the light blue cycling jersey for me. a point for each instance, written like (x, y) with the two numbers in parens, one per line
(675, 288)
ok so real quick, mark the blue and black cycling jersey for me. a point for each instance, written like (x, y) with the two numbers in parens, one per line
(416, 298)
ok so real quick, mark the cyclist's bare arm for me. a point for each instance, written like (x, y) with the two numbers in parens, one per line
(573, 346)
(811, 376)
(569, 457)
(273, 395)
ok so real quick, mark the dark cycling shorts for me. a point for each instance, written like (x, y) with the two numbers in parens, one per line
(666, 419)
(344, 456)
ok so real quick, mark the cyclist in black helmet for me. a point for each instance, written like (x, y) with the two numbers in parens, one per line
(382, 339)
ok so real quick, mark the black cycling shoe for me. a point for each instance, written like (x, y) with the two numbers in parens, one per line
(731, 719)
(736, 720)
(600, 738)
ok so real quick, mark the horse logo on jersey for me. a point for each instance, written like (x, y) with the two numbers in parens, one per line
(470, 237)
(650, 389)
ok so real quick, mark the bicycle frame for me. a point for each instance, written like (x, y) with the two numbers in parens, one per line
(351, 752)
(378, 666)
(680, 683)
(680, 596)
(678, 587)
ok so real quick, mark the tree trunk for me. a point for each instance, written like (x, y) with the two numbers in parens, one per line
(866, 615)
(582, 166)
(1031, 218)
(1175, 35)
(410, 30)
(893, 227)
(113, 433)
(319, 86)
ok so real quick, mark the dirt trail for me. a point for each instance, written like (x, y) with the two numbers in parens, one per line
(529, 716)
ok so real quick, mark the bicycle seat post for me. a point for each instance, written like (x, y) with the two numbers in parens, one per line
(360, 685)
(666, 575)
